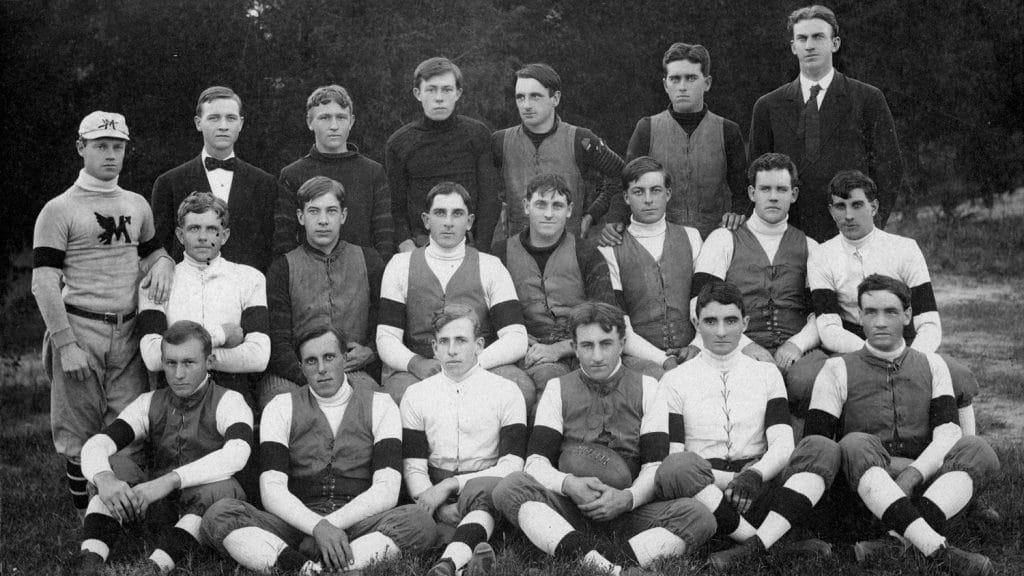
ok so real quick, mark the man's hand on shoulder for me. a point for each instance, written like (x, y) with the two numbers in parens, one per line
(358, 357)
(539, 353)
(732, 220)
(119, 498)
(612, 234)
(757, 352)
(159, 280)
(424, 368)
(407, 246)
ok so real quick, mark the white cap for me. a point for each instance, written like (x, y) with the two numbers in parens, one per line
(103, 125)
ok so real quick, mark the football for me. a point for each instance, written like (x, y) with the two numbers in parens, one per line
(589, 459)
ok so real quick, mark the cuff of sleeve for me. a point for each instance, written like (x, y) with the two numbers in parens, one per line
(559, 480)
(637, 501)
(63, 337)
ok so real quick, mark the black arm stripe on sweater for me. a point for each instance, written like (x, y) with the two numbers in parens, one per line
(821, 423)
(506, 314)
(545, 442)
(776, 412)
(152, 322)
(676, 428)
(922, 299)
(387, 453)
(256, 319)
(653, 447)
(942, 410)
(121, 433)
(44, 257)
(512, 440)
(825, 302)
(700, 279)
(391, 313)
(274, 457)
(414, 444)
(239, 431)
(148, 247)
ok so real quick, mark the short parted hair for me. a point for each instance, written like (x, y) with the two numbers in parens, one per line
(446, 188)
(544, 183)
(542, 73)
(326, 95)
(846, 181)
(201, 203)
(693, 52)
(604, 315)
(449, 313)
(318, 331)
(770, 161)
(316, 187)
(725, 293)
(217, 93)
(815, 12)
(184, 330)
(436, 66)
(637, 167)
(876, 282)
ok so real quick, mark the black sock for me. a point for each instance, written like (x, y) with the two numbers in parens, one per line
(571, 546)
(77, 485)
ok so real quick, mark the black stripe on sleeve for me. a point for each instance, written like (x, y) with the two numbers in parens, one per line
(256, 319)
(776, 412)
(922, 299)
(120, 432)
(148, 247)
(274, 457)
(942, 410)
(821, 423)
(676, 428)
(825, 302)
(700, 279)
(152, 322)
(387, 454)
(512, 440)
(239, 431)
(546, 442)
(43, 257)
(506, 314)
(414, 444)
(392, 313)
(653, 447)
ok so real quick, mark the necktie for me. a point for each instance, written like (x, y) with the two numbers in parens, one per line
(812, 125)
(212, 163)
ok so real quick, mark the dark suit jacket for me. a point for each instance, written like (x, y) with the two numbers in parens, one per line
(857, 132)
(250, 210)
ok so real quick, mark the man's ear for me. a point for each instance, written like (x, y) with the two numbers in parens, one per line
(874, 207)
(796, 193)
(908, 315)
(225, 234)
(300, 216)
(344, 215)
(469, 221)
(179, 234)
(426, 220)
(751, 193)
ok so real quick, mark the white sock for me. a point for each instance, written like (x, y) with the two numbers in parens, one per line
(924, 537)
(97, 547)
(481, 517)
(162, 559)
(459, 553)
(776, 525)
(254, 548)
(595, 559)
(879, 491)
(371, 548)
(96, 506)
(655, 543)
(712, 497)
(967, 422)
(190, 523)
(543, 526)
(951, 492)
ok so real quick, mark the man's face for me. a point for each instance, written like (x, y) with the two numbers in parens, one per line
(184, 366)
(548, 212)
(883, 317)
(536, 104)
(102, 158)
(598, 350)
(855, 216)
(322, 218)
(647, 197)
(685, 85)
(330, 124)
(438, 95)
(448, 220)
(202, 235)
(323, 364)
(220, 124)
(813, 44)
(456, 348)
(772, 194)
(721, 326)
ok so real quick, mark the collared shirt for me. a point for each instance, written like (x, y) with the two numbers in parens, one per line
(824, 82)
(220, 179)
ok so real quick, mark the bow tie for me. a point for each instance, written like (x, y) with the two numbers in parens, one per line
(212, 163)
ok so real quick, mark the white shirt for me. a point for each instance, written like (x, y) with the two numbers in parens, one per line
(824, 82)
(220, 179)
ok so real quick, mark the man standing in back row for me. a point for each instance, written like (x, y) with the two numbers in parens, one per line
(826, 122)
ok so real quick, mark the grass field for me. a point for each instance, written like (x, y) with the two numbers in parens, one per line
(980, 287)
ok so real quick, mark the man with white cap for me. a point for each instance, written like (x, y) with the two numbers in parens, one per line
(88, 249)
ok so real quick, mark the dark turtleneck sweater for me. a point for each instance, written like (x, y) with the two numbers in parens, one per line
(424, 153)
(367, 199)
